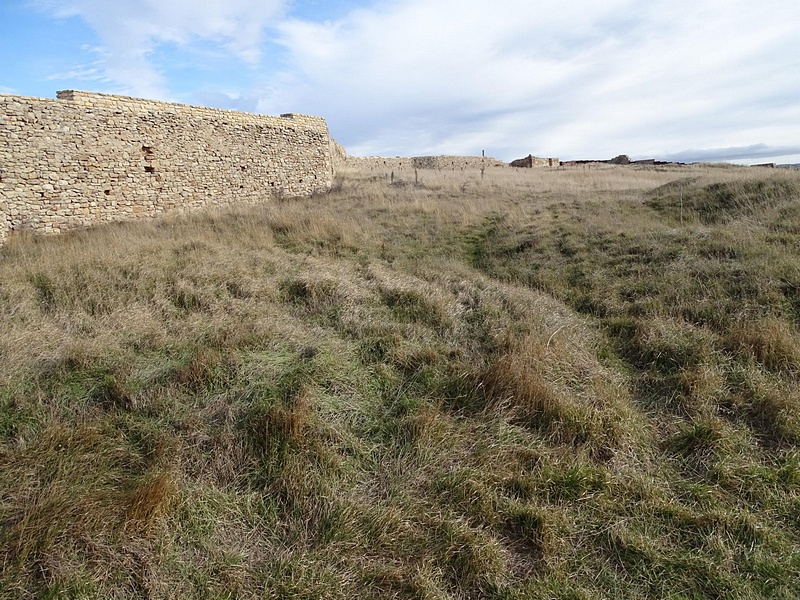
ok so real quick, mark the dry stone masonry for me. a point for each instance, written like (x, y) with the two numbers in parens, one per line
(440, 163)
(531, 162)
(89, 158)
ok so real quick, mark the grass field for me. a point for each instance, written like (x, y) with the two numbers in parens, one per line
(575, 383)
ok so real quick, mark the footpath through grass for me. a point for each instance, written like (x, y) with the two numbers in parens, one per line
(563, 384)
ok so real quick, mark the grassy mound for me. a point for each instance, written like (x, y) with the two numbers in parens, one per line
(719, 202)
(527, 385)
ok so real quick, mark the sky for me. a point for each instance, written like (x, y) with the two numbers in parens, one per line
(683, 80)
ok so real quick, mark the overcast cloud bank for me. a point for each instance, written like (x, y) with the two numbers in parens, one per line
(743, 153)
(512, 77)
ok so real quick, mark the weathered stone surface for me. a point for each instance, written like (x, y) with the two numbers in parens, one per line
(91, 158)
(532, 161)
(440, 163)
(338, 155)
(5, 224)
(622, 159)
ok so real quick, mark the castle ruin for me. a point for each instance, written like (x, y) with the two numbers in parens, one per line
(87, 158)
(437, 163)
(531, 162)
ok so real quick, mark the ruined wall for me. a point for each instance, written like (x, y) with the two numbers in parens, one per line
(4, 224)
(452, 163)
(338, 156)
(90, 158)
(531, 161)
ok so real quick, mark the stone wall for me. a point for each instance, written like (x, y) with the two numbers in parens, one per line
(531, 161)
(91, 158)
(338, 155)
(4, 224)
(442, 163)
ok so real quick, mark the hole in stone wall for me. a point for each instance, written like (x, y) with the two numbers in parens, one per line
(149, 169)
(107, 192)
(147, 149)
(243, 168)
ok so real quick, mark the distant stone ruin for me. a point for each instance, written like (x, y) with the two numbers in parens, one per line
(621, 160)
(531, 161)
(439, 163)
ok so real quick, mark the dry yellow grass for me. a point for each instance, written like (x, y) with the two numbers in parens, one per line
(539, 383)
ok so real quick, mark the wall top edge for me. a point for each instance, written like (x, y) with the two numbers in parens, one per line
(81, 94)
(99, 99)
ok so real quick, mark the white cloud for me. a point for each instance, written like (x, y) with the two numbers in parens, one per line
(580, 79)
(93, 71)
(80, 73)
(133, 29)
